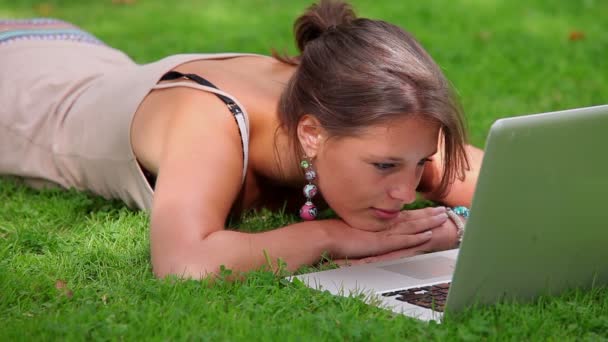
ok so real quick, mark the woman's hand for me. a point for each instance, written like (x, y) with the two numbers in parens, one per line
(444, 236)
(412, 232)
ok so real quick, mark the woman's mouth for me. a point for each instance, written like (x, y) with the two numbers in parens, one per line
(385, 214)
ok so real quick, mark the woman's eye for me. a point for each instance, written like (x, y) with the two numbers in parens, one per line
(424, 161)
(383, 166)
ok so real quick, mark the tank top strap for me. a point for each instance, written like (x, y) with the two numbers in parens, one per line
(237, 110)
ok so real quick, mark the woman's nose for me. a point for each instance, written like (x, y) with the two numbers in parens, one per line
(404, 192)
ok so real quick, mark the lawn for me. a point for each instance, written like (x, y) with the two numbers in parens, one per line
(75, 266)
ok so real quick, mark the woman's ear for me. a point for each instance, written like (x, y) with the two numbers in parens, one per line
(310, 135)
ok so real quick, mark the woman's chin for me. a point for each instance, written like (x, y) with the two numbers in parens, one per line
(367, 223)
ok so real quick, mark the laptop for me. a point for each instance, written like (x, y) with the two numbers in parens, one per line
(538, 225)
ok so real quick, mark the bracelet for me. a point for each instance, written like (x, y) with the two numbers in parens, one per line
(455, 215)
(462, 211)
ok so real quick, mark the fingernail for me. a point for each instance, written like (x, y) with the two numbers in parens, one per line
(428, 233)
(443, 216)
(439, 210)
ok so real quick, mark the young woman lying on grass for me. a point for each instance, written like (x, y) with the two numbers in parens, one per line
(361, 120)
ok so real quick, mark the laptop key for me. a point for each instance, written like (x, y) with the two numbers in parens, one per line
(430, 297)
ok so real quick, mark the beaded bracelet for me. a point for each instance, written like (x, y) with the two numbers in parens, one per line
(462, 211)
(455, 215)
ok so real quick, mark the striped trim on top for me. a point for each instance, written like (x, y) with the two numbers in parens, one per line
(42, 29)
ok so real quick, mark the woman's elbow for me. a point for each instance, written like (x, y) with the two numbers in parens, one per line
(183, 269)
(192, 255)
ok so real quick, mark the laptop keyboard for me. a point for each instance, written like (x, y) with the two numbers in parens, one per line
(430, 297)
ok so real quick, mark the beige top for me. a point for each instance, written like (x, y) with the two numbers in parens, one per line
(66, 110)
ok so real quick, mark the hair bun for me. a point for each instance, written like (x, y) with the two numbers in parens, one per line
(319, 18)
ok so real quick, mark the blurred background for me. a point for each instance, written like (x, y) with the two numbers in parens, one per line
(504, 57)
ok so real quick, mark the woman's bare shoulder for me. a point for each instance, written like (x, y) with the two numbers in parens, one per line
(199, 163)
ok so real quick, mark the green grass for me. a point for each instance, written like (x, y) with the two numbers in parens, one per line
(74, 266)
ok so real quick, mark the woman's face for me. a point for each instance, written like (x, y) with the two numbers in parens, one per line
(366, 179)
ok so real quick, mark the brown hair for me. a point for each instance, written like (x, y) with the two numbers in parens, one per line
(354, 72)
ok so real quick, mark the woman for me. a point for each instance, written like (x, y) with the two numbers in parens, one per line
(361, 120)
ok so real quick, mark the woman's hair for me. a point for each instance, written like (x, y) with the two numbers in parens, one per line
(353, 73)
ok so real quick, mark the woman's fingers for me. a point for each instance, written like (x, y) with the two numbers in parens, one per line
(406, 238)
(411, 233)
(418, 225)
(402, 241)
(399, 235)
(415, 214)
(444, 237)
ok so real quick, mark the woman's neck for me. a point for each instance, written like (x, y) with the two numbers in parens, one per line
(276, 159)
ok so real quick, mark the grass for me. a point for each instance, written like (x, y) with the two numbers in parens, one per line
(74, 266)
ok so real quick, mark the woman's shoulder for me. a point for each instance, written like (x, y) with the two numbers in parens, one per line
(171, 112)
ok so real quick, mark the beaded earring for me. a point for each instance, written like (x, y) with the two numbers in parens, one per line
(308, 211)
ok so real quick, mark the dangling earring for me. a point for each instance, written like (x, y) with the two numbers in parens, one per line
(308, 211)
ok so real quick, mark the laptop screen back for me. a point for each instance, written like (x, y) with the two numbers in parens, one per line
(539, 218)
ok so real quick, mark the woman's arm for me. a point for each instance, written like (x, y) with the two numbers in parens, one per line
(461, 191)
(297, 244)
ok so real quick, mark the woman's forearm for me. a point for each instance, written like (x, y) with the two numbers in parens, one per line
(461, 191)
(297, 244)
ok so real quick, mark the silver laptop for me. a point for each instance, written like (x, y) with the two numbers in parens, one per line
(538, 224)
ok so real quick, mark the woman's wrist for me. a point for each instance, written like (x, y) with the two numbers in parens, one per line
(330, 234)
(458, 215)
